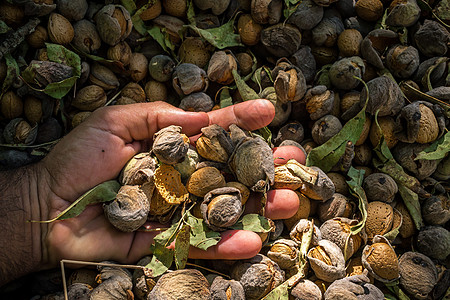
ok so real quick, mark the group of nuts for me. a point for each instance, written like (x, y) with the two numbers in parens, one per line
(305, 57)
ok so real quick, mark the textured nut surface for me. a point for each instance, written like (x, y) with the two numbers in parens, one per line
(380, 217)
(204, 180)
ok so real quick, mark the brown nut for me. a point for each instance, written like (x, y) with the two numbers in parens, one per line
(129, 210)
(408, 228)
(266, 11)
(436, 210)
(290, 84)
(113, 24)
(134, 91)
(284, 252)
(138, 170)
(11, 105)
(354, 287)
(349, 42)
(319, 102)
(194, 51)
(380, 187)
(325, 128)
(337, 206)
(78, 118)
(120, 52)
(170, 145)
(327, 261)
(59, 29)
(215, 144)
(306, 289)
(138, 66)
(281, 40)
(38, 37)
(152, 11)
(388, 128)
(405, 154)
(302, 227)
(381, 260)
(86, 37)
(103, 77)
(222, 289)
(73, 10)
(220, 67)
(155, 91)
(32, 109)
(369, 10)
(204, 180)
(90, 98)
(221, 208)
(418, 274)
(249, 30)
(176, 8)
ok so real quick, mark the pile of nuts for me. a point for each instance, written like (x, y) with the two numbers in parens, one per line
(377, 203)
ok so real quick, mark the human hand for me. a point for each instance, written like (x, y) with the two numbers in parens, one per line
(97, 150)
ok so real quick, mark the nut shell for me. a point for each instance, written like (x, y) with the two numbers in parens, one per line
(204, 180)
(59, 29)
(381, 260)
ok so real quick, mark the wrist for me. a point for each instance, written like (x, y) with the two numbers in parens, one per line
(22, 199)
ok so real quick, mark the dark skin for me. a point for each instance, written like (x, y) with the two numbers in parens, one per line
(92, 153)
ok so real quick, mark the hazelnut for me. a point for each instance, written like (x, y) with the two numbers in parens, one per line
(59, 29)
(90, 98)
(204, 180)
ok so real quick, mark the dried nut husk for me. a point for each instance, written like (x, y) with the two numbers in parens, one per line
(285, 179)
(129, 210)
(11, 14)
(90, 98)
(380, 187)
(405, 155)
(245, 63)
(388, 128)
(319, 101)
(86, 37)
(11, 105)
(337, 230)
(205, 180)
(142, 285)
(307, 15)
(337, 206)
(284, 252)
(281, 40)
(343, 72)
(327, 261)
(19, 131)
(217, 6)
(326, 33)
(158, 205)
(363, 155)
(380, 217)
(188, 166)
(153, 10)
(59, 29)
(103, 77)
(306, 290)
(436, 210)
(282, 110)
(46, 72)
(434, 241)
(222, 289)
(353, 287)
(266, 11)
(120, 52)
(381, 260)
(161, 68)
(291, 132)
(215, 144)
(197, 102)
(113, 24)
(384, 95)
(194, 51)
(170, 145)
(252, 162)
(221, 208)
(83, 275)
(443, 170)
(138, 170)
(403, 13)
(375, 43)
(408, 228)
(78, 118)
(245, 192)
(189, 78)
(402, 60)
(416, 122)
(220, 67)
(354, 267)
(302, 227)
(181, 284)
(73, 10)
(349, 42)
(37, 38)
(249, 30)
(432, 38)
(258, 275)
(339, 182)
(369, 10)
(418, 274)
(325, 128)
(134, 91)
(305, 61)
(114, 283)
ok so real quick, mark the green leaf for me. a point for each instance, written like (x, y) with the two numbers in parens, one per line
(201, 236)
(160, 35)
(394, 288)
(114, 65)
(281, 292)
(12, 70)
(443, 10)
(129, 5)
(225, 98)
(4, 28)
(265, 134)
(62, 55)
(182, 243)
(437, 150)
(103, 192)
(322, 77)
(328, 154)
(392, 234)
(411, 201)
(138, 23)
(425, 6)
(220, 37)
(355, 185)
(253, 222)
(290, 7)
(161, 261)
(191, 13)
(247, 93)
(59, 89)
